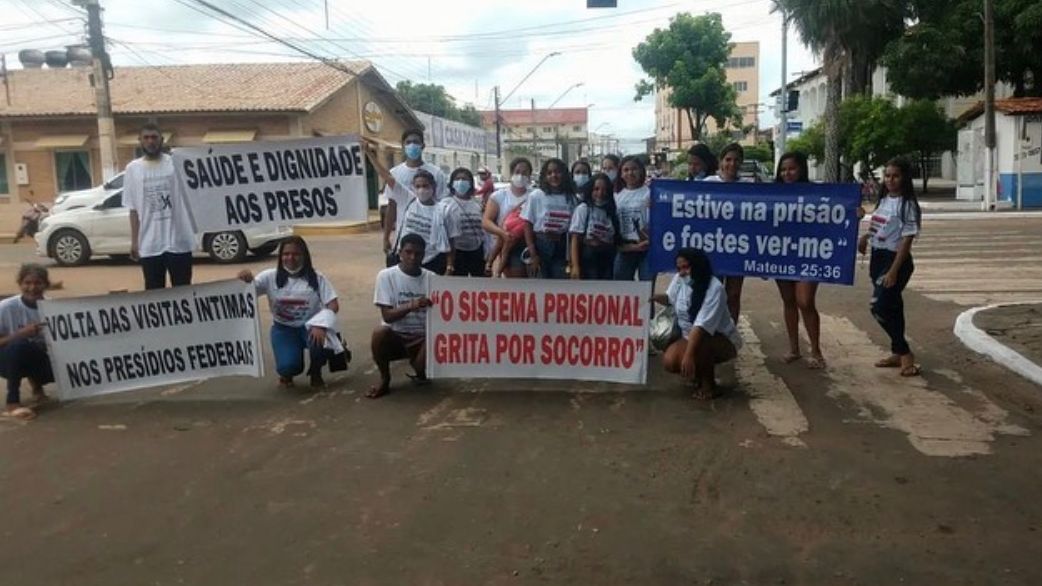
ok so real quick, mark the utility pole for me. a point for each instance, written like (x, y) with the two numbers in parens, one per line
(783, 97)
(499, 126)
(989, 106)
(535, 129)
(100, 80)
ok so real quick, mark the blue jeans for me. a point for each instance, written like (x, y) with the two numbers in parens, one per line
(630, 264)
(888, 305)
(288, 344)
(553, 256)
(597, 262)
(23, 358)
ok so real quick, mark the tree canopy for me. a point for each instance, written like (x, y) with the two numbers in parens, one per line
(690, 58)
(434, 100)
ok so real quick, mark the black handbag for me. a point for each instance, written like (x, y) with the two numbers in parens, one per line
(338, 362)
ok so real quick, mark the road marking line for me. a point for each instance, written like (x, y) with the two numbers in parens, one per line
(769, 397)
(935, 425)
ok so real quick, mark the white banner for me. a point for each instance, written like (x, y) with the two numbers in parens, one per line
(533, 328)
(118, 342)
(274, 183)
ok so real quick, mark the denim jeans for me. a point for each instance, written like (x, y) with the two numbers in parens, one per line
(553, 256)
(598, 262)
(630, 264)
(24, 358)
(288, 344)
(887, 303)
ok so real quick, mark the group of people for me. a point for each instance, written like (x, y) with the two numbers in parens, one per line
(563, 223)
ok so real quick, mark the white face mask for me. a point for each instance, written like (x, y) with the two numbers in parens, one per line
(612, 174)
(292, 272)
(520, 181)
(581, 179)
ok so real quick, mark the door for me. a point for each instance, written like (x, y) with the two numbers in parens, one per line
(110, 226)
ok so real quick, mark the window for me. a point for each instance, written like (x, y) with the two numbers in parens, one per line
(577, 128)
(3, 173)
(72, 170)
(548, 129)
(531, 129)
(741, 86)
(741, 62)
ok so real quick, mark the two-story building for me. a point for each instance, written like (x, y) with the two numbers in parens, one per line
(540, 134)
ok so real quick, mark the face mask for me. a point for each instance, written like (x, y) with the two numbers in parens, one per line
(701, 175)
(581, 179)
(461, 186)
(613, 174)
(519, 181)
(292, 272)
(413, 151)
(424, 193)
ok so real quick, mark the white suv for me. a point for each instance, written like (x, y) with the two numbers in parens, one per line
(73, 236)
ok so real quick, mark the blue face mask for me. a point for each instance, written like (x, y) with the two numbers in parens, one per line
(413, 151)
(612, 174)
(461, 186)
(581, 179)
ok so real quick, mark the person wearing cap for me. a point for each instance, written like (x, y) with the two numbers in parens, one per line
(485, 186)
(701, 162)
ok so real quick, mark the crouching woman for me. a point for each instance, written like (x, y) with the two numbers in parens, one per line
(707, 333)
(296, 293)
(23, 353)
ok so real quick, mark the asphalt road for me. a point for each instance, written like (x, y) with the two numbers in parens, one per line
(845, 476)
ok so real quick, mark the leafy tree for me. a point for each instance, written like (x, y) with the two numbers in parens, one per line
(810, 142)
(690, 58)
(872, 130)
(760, 152)
(433, 99)
(927, 132)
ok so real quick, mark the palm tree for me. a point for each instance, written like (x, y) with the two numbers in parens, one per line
(846, 33)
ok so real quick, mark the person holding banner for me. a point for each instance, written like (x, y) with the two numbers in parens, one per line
(296, 293)
(161, 233)
(412, 146)
(499, 207)
(581, 174)
(894, 226)
(23, 352)
(708, 335)
(701, 163)
(731, 159)
(548, 215)
(798, 296)
(595, 233)
(401, 294)
(420, 214)
(461, 215)
(632, 204)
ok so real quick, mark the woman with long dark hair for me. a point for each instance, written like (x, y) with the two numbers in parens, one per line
(23, 350)
(595, 233)
(582, 175)
(505, 246)
(296, 293)
(461, 214)
(548, 215)
(633, 205)
(895, 224)
(707, 333)
(798, 297)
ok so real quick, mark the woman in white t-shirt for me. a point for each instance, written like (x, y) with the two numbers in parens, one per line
(296, 293)
(633, 203)
(23, 352)
(548, 215)
(730, 162)
(462, 216)
(595, 232)
(894, 226)
(707, 333)
(506, 246)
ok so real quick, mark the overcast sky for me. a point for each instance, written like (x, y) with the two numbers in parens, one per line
(468, 46)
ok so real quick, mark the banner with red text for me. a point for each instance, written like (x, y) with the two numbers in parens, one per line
(531, 328)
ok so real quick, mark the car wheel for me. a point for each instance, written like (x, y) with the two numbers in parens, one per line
(69, 248)
(226, 247)
(265, 249)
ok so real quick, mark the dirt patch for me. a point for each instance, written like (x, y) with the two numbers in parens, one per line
(1017, 326)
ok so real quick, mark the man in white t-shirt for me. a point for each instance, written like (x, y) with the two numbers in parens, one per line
(412, 146)
(161, 232)
(401, 295)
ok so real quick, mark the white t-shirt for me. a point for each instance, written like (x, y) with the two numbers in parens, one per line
(425, 220)
(714, 316)
(548, 212)
(394, 288)
(593, 223)
(507, 201)
(295, 302)
(462, 218)
(633, 209)
(152, 189)
(887, 228)
(719, 179)
(15, 315)
(404, 174)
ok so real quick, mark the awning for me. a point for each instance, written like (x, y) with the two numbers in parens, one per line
(62, 141)
(132, 139)
(217, 136)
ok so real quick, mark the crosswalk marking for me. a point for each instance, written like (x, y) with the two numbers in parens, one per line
(769, 397)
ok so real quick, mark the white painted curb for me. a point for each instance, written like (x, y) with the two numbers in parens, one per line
(978, 340)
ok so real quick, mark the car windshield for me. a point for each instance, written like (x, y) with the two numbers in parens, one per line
(115, 183)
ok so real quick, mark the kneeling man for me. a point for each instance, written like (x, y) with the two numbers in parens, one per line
(401, 295)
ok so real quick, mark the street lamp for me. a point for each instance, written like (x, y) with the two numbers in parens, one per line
(563, 94)
(499, 145)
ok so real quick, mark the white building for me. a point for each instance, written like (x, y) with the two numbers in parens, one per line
(1018, 145)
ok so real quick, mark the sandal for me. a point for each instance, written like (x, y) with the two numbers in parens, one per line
(377, 392)
(791, 357)
(889, 362)
(419, 380)
(911, 370)
(21, 414)
(815, 362)
(285, 382)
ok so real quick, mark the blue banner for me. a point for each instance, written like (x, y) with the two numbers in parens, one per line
(800, 232)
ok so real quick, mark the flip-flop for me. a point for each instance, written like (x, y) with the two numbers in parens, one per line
(911, 370)
(21, 414)
(377, 392)
(790, 357)
(889, 362)
(815, 362)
